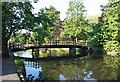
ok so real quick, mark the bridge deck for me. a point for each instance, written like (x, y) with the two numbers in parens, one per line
(48, 44)
(58, 46)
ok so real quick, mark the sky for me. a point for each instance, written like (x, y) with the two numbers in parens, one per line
(92, 6)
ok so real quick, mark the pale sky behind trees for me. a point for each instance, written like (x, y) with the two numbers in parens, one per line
(92, 6)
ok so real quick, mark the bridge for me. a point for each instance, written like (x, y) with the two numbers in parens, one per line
(48, 44)
(72, 45)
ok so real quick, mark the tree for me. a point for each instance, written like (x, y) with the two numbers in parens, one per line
(15, 16)
(18, 38)
(54, 17)
(75, 25)
(47, 19)
(96, 37)
(105, 34)
(111, 26)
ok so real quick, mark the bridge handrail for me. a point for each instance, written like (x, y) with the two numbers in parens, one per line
(49, 42)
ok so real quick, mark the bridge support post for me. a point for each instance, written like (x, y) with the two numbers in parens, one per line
(72, 51)
(35, 53)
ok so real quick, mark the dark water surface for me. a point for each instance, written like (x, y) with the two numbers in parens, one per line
(84, 68)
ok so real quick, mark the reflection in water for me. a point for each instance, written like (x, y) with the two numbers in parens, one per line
(88, 75)
(46, 52)
(62, 77)
(42, 52)
(32, 69)
(73, 69)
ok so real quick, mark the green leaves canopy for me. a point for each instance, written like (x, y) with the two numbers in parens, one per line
(106, 34)
(111, 27)
(16, 16)
(47, 19)
(75, 25)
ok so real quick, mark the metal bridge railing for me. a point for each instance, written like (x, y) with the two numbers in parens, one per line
(49, 42)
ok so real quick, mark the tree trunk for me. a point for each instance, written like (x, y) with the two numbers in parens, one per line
(5, 48)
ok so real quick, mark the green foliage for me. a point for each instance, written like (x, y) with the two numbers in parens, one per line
(53, 52)
(106, 35)
(19, 63)
(47, 18)
(75, 25)
(19, 38)
(112, 46)
(77, 51)
(16, 16)
(96, 38)
(54, 17)
(111, 26)
(45, 24)
(20, 66)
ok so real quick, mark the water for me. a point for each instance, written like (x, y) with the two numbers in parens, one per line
(44, 52)
(85, 68)
(26, 54)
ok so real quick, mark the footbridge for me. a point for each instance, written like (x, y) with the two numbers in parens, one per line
(72, 45)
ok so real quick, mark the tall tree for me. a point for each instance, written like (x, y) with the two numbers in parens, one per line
(15, 16)
(75, 25)
(47, 17)
(54, 16)
(111, 26)
(106, 33)
(96, 37)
